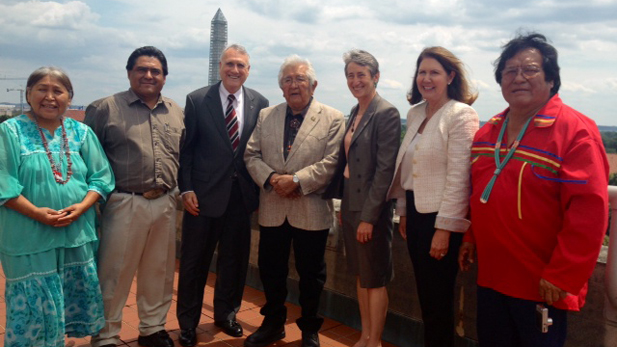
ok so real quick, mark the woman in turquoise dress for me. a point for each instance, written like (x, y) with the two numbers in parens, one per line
(52, 170)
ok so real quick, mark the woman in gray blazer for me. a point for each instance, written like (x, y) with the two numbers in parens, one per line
(363, 174)
(431, 184)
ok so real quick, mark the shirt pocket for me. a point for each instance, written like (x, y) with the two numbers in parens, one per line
(171, 137)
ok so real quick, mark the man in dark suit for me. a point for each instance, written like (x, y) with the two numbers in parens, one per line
(218, 194)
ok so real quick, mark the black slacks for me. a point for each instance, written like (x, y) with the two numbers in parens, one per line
(435, 279)
(200, 236)
(309, 248)
(505, 321)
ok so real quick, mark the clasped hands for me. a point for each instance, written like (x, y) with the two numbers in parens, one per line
(59, 218)
(284, 186)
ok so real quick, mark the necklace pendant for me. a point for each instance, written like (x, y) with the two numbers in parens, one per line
(57, 175)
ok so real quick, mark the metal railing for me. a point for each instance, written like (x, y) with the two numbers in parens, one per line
(610, 273)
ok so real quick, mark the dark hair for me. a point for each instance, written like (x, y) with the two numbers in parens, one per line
(53, 72)
(459, 89)
(149, 51)
(536, 41)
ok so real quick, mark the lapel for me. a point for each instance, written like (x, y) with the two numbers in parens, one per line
(368, 114)
(413, 126)
(279, 131)
(415, 118)
(250, 116)
(310, 120)
(216, 113)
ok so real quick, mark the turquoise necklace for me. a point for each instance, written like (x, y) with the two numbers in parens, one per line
(501, 164)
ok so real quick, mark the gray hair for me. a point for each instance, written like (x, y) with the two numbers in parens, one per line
(294, 60)
(362, 58)
(53, 72)
(238, 48)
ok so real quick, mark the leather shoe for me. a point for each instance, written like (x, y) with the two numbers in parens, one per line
(158, 339)
(188, 337)
(310, 339)
(265, 335)
(230, 327)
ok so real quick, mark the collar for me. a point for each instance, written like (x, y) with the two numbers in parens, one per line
(225, 94)
(133, 98)
(546, 117)
(304, 111)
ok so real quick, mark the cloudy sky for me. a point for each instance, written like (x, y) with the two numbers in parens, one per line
(92, 39)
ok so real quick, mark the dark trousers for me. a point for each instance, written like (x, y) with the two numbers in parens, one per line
(200, 236)
(435, 279)
(504, 321)
(309, 249)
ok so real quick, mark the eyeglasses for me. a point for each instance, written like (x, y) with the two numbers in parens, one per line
(144, 70)
(298, 79)
(529, 71)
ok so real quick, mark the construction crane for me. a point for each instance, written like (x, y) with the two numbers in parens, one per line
(21, 96)
(20, 90)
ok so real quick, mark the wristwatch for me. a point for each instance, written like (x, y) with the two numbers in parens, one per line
(296, 179)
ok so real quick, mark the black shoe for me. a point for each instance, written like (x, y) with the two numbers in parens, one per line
(230, 327)
(310, 339)
(108, 345)
(265, 335)
(158, 339)
(188, 337)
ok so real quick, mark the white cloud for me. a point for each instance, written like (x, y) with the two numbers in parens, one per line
(576, 88)
(391, 84)
(72, 15)
(92, 40)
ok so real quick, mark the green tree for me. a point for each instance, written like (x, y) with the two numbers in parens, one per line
(609, 138)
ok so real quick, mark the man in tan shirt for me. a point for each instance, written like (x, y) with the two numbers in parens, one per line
(141, 132)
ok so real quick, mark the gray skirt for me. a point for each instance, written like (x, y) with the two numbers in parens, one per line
(370, 261)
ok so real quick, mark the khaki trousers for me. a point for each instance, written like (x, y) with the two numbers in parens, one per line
(137, 236)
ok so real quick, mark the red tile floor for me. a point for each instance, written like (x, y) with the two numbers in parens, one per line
(332, 333)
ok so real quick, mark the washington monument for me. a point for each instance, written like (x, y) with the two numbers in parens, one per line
(218, 42)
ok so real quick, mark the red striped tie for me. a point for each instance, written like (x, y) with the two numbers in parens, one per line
(231, 122)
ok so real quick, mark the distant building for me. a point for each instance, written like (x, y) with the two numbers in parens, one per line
(218, 42)
(7, 110)
(78, 115)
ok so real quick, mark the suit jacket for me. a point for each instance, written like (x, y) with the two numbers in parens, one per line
(441, 164)
(207, 161)
(312, 158)
(371, 158)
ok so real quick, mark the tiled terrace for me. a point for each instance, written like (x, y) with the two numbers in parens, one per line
(332, 333)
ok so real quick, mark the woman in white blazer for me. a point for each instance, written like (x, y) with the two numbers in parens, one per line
(431, 184)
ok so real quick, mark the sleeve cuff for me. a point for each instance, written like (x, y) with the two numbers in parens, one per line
(452, 224)
(98, 191)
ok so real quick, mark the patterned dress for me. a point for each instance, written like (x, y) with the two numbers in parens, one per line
(52, 288)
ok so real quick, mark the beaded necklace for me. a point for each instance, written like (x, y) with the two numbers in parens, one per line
(499, 165)
(56, 168)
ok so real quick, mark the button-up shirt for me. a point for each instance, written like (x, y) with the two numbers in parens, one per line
(293, 122)
(142, 144)
(238, 105)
